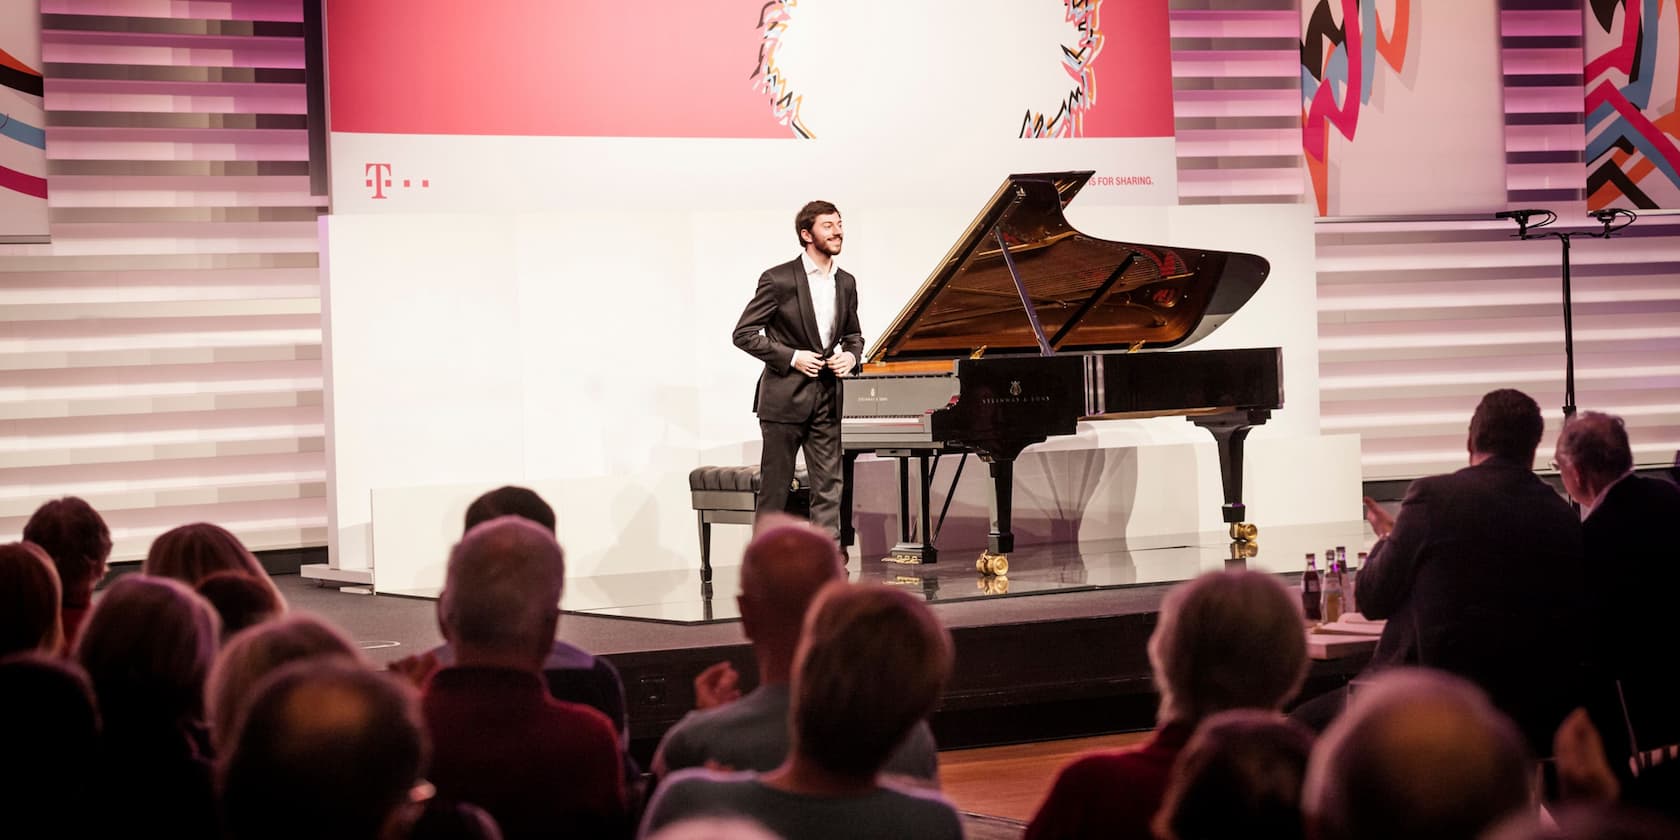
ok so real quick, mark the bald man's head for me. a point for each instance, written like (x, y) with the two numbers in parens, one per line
(1417, 754)
(785, 565)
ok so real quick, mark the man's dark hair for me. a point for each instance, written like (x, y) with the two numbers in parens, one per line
(1507, 423)
(808, 216)
(326, 749)
(509, 501)
(75, 536)
(241, 600)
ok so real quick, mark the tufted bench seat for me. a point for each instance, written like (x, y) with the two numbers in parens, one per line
(729, 495)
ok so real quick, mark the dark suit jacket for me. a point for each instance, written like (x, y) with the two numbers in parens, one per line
(1483, 577)
(1634, 579)
(779, 320)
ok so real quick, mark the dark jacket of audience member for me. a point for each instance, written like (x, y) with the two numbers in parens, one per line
(1226, 640)
(49, 747)
(1633, 578)
(147, 647)
(541, 767)
(75, 536)
(327, 750)
(1482, 575)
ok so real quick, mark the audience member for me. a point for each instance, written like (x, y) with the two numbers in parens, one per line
(1633, 578)
(49, 746)
(571, 673)
(509, 500)
(1481, 574)
(191, 553)
(147, 647)
(541, 767)
(30, 601)
(259, 651)
(1418, 753)
(1239, 777)
(441, 819)
(240, 600)
(784, 567)
(1226, 640)
(714, 828)
(75, 537)
(327, 750)
(872, 662)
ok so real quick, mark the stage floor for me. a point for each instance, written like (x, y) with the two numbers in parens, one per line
(679, 597)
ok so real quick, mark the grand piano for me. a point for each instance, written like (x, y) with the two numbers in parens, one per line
(1028, 326)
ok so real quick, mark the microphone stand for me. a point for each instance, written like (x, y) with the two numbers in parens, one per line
(1525, 230)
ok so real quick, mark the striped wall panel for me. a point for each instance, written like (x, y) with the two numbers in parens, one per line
(162, 356)
(1237, 101)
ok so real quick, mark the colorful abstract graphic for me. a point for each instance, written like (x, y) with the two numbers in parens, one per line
(1339, 50)
(1078, 60)
(1632, 158)
(768, 79)
(1142, 109)
(20, 118)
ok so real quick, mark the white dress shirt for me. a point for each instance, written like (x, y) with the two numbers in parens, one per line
(821, 285)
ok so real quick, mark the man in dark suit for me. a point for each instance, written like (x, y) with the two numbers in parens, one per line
(1627, 529)
(802, 323)
(1481, 574)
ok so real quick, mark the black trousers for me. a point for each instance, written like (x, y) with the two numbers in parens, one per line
(820, 439)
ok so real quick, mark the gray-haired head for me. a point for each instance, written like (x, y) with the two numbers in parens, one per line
(502, 590)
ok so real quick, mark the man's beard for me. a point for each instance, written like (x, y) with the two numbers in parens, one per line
(830, 246)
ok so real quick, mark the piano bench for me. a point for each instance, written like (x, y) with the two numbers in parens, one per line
(729, 496)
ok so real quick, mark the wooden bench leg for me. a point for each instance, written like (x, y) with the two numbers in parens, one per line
(705, 548)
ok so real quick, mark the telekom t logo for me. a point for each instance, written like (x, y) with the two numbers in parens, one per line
(379, 179)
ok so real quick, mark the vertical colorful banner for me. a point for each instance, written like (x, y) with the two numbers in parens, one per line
(1633, 52)
(23, 136)
(1397, 107)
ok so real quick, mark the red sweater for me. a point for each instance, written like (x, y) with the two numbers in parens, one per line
(1111, 794)
(542, 767)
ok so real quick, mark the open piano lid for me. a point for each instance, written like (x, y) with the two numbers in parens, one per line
(1087, 294)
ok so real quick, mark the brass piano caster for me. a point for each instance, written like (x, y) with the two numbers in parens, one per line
(993, 585)
(992, 564)
(1244, 531)
(1243, 550)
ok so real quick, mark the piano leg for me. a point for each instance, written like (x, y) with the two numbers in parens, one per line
(917, 548)
(1229, 432)
(1001, 540)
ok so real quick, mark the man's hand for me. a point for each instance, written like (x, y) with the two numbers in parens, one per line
(807, 362)
(717, 685)
(1583, 772)
(416, 669)
(842, 363)
(1380, 520)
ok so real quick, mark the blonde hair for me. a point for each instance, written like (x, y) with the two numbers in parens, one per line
(257, 652)
(872, 662)
(30, 594)
(1227, 640)
(191, 553)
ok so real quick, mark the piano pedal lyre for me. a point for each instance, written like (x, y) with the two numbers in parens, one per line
(992, 565)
